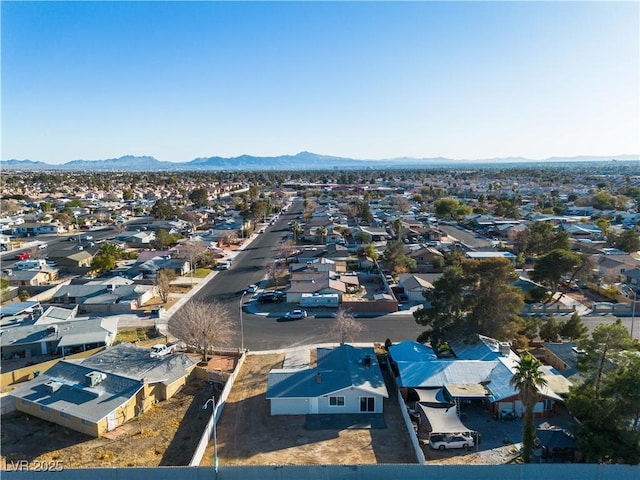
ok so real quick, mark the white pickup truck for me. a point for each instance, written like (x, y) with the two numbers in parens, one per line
(162, 349)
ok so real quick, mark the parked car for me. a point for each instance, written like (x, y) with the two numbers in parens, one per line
(295, 315)
(161, 349)
(252, 288)
(272, 296)
(88, 237)
(445, 441)
(224, 265)
(22, 256)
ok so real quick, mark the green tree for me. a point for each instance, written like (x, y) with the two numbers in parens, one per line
(627, 241)
(450, 207)
(607, 402)
(472, 297)
(23, 295)
(395, 259)
(165, 239)
(551, 267)
(444, 315)
(296, 229)
(127, 194)
(494, 305)
(321, 232)
(528, 380)
(199, 197)
(606, 343)
(102, 263)
(550, 330)
(371, 252)
(163, 209)
(543, 237)
(574, 328)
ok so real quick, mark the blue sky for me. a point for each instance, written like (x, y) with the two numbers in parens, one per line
(369, 80)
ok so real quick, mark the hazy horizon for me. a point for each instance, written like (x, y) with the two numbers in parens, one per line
(362, 80)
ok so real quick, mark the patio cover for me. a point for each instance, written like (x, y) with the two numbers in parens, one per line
(443, 420)
(432, 395)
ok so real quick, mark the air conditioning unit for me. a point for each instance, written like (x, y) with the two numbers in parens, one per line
(52, 386)
(504, 348)
(94, 378)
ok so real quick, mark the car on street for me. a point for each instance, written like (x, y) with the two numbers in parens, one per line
(22, 256)
(295, 315)
(88, 237)
(224, 265)
(446, 441)
(271, 296)
(252, 288)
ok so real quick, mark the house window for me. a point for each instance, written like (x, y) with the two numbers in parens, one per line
(336, 401)
(548, 403)
(43, 408)
(85, 422)
(367, 404)
(64, 415)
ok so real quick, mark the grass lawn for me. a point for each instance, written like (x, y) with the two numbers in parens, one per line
(201, 272)
(139, 334)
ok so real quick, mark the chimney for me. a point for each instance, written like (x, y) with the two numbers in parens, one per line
(318, 377)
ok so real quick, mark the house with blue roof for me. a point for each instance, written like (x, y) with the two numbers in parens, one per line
(478, 371)
(346, 379)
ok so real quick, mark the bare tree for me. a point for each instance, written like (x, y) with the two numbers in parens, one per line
(192, 250)
(202, 325)
(345, 326)
(163, 281)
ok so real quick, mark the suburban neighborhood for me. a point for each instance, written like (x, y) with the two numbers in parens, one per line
(105, 291)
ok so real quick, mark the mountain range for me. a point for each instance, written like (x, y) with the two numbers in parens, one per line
(300, 161)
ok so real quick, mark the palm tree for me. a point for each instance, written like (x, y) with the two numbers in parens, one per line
(296, 228)
(321, 231)
(528, 380)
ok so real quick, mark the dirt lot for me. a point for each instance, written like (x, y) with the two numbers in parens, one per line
(248, 435)
(166, 435)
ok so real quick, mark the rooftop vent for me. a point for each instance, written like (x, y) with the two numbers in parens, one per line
(52, 386)
(504, 348)
(94, 378)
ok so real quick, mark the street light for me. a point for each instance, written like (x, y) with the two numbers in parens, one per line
(241, 324)
(215, 433)
(633, 311)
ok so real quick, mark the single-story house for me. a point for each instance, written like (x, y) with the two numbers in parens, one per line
(30, 229)
(33, 277)
(413, 285)
(479, 371)
(98, 394)
(315, 282)
(81, 259)
(345, 380)
(46, 336)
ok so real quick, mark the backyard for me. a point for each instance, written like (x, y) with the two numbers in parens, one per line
(249, 435)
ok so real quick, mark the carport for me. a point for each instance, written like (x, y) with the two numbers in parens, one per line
(440, 420)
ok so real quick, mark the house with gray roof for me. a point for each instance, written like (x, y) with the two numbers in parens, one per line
(49, 335)
(345, 380)
(97, 394)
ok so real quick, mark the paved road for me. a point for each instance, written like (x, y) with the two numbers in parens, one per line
(60, 245)
(270, 332)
